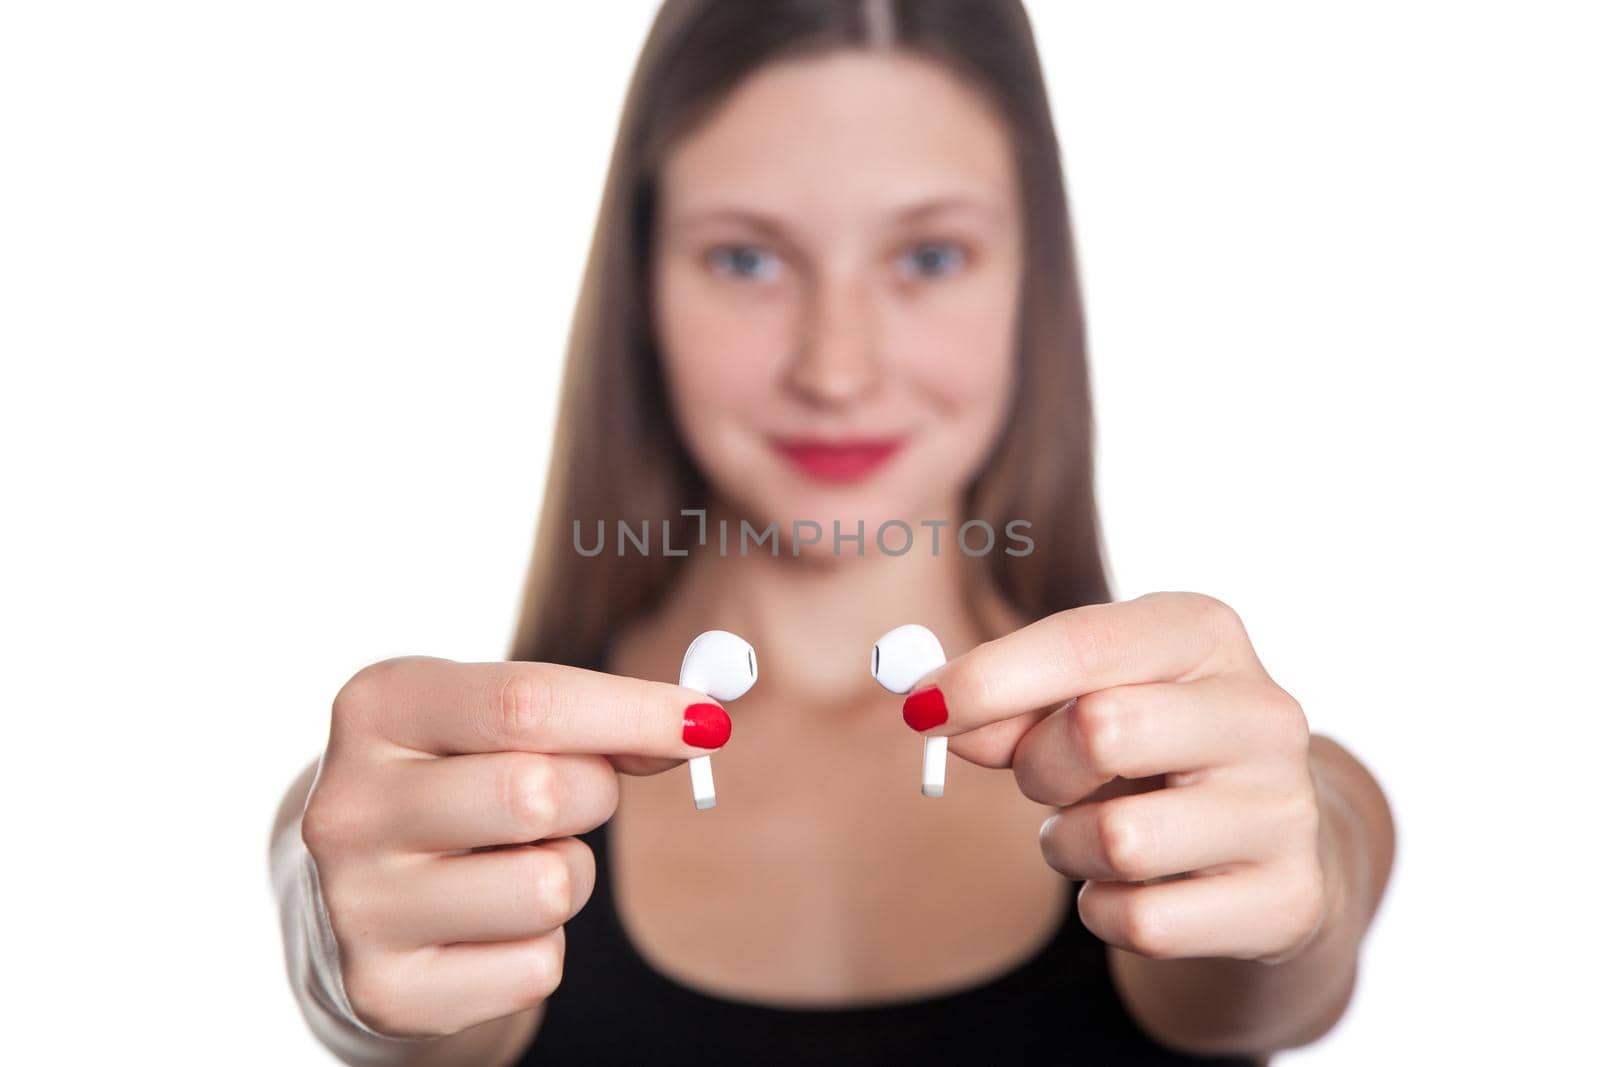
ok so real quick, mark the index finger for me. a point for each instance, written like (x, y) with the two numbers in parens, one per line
(1156, 637)
(442, 707)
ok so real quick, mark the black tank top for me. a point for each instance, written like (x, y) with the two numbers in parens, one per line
(1056, 1007)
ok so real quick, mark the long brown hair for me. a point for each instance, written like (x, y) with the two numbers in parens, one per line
(617, 453)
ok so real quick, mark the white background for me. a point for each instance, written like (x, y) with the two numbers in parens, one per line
(283, 289)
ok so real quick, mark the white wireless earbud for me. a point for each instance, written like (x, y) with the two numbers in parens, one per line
(900, 659)
(722, 666)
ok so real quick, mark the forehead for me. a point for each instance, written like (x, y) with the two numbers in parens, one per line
(848, 132)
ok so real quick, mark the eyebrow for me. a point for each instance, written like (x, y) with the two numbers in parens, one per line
(773, 225)
(943, 204)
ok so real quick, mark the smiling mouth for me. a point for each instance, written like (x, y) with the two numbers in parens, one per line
(837, 461)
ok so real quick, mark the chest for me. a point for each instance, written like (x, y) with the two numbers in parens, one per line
(842, 893)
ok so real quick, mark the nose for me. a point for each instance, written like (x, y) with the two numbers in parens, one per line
(837, 359)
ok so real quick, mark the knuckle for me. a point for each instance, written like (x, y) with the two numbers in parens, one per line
(361, 693)
(1147, 928)
(330, 823)
(528, 793)
(555, 890)
(639, 712)
(546, 965)
(1124, 843)
(363, 697)
(583, 879)
(1047, 841)
(374, 680)
(525, 701)
(1032, 780)
(605, 778)
(1303, 906)
(319, 832)
(1302, 817)
(1059, 656)
(1047, 829)
(1088, 645)
(1098, 719)
(995, 746)
(1215, 616)
(374, 993)
(348, 913)
(1291, 727)
(1220, 616)
(1179, 601)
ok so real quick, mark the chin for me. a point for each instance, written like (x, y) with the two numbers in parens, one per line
(869, 506)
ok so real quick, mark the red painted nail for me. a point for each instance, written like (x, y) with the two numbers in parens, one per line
(706, 725)
(925, 709)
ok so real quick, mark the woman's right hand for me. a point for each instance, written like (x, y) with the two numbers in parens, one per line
(441, 824)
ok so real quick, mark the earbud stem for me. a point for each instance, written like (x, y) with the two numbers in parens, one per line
(705, 791)
(933, 759)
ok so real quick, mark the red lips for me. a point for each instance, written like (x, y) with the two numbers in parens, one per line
(837, 461)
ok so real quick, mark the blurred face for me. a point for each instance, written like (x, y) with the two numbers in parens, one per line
(836, 269)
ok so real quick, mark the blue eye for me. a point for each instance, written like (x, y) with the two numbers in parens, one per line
(934, 259)
(744, 262)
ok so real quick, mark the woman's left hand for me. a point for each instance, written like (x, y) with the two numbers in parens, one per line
(1180, 770)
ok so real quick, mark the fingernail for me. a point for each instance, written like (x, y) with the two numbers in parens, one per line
(706, 725)
(924, 709)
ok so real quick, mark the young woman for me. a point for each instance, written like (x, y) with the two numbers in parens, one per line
(832, 282)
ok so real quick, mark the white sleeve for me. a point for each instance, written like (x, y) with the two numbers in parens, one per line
(312, 955)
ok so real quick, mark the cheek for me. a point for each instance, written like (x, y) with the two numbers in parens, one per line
(722, 356)
(957, 357)
(958, 352)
